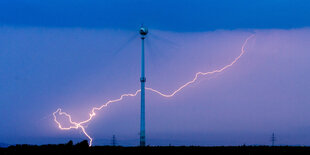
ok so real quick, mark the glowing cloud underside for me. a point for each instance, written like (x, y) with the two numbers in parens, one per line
(77, 125)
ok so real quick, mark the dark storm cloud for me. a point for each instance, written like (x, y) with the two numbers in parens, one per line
(181, 15)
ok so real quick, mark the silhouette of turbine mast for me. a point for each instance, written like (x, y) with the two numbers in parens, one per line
(143, 32)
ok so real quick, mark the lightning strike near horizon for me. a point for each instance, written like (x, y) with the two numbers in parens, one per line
(77, 125)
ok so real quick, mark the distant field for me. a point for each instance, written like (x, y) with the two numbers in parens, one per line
(82, 148)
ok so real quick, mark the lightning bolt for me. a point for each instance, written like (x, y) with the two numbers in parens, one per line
(77, 125)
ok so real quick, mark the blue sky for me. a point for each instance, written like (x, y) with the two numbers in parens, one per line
(74, 55)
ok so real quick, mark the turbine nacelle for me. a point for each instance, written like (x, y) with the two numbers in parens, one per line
(143, 30)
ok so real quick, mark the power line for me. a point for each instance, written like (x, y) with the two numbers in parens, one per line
(273, 139)
(114, 143)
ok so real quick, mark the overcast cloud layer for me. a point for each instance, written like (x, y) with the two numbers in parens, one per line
(43, 69)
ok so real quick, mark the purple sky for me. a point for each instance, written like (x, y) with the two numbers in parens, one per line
(266, 91)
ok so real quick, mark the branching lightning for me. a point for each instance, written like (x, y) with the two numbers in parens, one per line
(77, 125)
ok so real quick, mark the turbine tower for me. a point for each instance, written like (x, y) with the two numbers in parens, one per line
(143, 32)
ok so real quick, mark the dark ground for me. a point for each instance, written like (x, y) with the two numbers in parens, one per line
(82, 148)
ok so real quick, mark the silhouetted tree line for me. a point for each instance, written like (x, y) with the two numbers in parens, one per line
(68, 149)
(83, 148)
